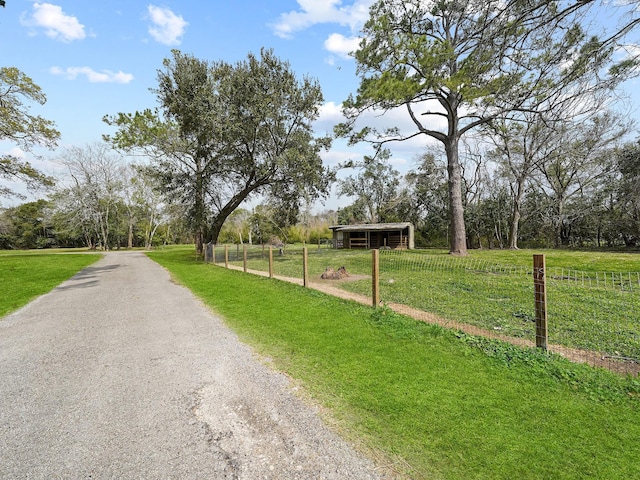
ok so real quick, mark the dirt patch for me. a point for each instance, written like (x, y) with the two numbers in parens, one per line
(338, 281)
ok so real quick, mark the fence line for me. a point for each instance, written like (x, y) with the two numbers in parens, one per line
(590, 317)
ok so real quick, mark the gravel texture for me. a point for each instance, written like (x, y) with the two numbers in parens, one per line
(119, 373)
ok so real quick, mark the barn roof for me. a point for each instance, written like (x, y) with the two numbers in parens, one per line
(363, 227)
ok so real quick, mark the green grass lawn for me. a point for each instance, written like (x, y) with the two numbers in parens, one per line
(593, 297)
(26, 275)
(435, 403)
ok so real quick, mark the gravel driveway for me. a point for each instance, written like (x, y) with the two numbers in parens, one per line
(119, 373)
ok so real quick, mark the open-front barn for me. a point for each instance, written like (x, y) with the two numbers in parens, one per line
(396, 236)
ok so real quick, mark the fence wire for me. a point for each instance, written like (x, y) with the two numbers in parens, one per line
(593, 317)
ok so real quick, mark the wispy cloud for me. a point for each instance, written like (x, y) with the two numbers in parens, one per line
(167, 27)
(56, 24)
(313, 12)
(106, 76)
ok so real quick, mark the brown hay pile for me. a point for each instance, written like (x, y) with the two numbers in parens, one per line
(331, 274)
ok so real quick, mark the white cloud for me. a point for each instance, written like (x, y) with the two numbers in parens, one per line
(313, 12)
(341, 45)
(105, 76)
(55, 22)
(331, 114)
(167, 27)
(338, 156)
(16, 152)
(403, 152)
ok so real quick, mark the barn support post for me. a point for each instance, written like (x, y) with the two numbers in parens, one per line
(540, 288)
(375, 278)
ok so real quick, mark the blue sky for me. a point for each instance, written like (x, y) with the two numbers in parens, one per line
(94, 58)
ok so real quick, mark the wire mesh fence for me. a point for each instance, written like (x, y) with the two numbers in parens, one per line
(593, 317)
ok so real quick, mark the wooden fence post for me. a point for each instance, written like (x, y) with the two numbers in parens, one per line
(226, 256)
(270, 261)
(540, 287)
(375, 278)
(305, 267)
(244, 258)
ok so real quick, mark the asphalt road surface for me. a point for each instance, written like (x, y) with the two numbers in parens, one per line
(119, 373)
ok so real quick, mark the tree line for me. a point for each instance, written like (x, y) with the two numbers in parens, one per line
(572, 199)
(517, 94)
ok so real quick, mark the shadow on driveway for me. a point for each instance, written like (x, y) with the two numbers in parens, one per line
(83, 279)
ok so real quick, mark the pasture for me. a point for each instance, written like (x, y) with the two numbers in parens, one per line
(429, 402)
(593, 297)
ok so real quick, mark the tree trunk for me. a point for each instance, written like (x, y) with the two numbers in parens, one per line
(199, 241)
(458, 235)
(200, 209)
(149, 242)
(516, 215)
(105, 236)
(238, 198)
(130, 238)
(559, 223)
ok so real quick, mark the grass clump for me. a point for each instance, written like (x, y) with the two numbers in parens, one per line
(440, 403)
(24, 276)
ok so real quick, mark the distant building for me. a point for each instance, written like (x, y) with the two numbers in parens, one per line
(395, 236)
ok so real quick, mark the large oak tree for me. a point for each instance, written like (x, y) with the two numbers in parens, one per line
(225, 132)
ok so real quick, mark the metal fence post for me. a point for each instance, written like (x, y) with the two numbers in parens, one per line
(540, 287)
(375, 277)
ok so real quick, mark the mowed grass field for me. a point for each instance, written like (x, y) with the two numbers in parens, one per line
(27, 275)
(425, 401)
(593, 298)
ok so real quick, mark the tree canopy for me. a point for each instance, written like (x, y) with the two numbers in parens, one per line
(20, 127)
(226, 132)
(455, 65)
